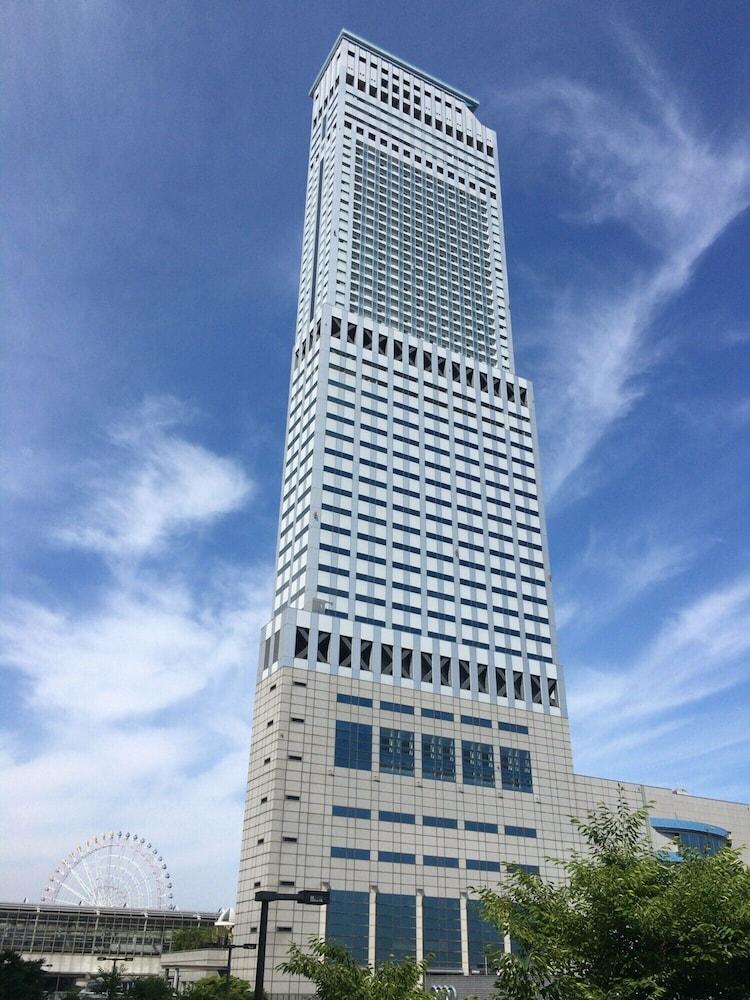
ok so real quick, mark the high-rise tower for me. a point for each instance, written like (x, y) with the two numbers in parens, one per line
(409, 732)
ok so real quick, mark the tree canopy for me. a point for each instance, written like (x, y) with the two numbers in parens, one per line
(338, 977)
(20, 979)
(626, 923)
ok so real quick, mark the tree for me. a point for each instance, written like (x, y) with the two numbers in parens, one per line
(189, 938)
(150, 988)
(109, 983)
(215, 988)
(338, 977)
(19, 979)
(627, 923)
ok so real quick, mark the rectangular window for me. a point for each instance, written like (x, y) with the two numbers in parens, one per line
(528, 869)
(434, 861)
(406, 655)
(478, 761)
(365, 655)
(324, 643)
(478, 826)
(512, 727)
(353, 699)
(474, 720)
(353, 745)
(426, 664)
(345, 651)
(482, 865)
(350, 853)
(351, 812)
(442, 822)
(392, 706)
(395, 927)
(520, 831)
(301, 641)
(445, 671)
(485, 940)
(396, 751)
(386, 660)
(442, 933)
(433, 713)
(348, 922)
(515, 767)
(386, 816)
(397, 857)
(438, 758)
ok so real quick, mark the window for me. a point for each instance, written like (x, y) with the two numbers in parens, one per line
(445, 671)
(350, 853)
(520, 831)
(475, 720)
(552, 693)
(515, 767)
(345, 651)
(324, 643)
(353, 745)
(406, 655)
(441, 822)
(386, 816)
(353, 699)
(433, 713)
(442, 933)
(482, 865)
(436, 861)
(301, 643)
(478, 826)
(365, 654)
(426, 664)
(518, 685)
(386, 660)
(484, 939)
(478, 764)
(396, 751)
(513, 727)
(393, 706)
(464, 675)
(501, 683)
(395, 927)
(351, 812)
(397, 857)
(438, 758)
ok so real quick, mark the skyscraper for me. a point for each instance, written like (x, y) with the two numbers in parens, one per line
(410, 736)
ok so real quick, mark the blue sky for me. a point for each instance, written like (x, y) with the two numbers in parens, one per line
(153, 165)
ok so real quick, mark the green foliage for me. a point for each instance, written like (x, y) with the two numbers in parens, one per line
(338, 977)
(150, 988)
(20, 980)
(190, 938)
(626, 924)
(215, 988)
(109, 983)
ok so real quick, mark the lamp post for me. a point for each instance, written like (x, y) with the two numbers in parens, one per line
(230, 948)
(308, 897)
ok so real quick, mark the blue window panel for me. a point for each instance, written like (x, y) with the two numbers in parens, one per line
(438, 758)
(440, 821)
(392, 706)
(478, 760)
(529, 869)
(701, 837)
(348, 922)
(395, 927)
(350, 853)
(485, 940)
(512, 727)
(433, 861)
(397, 857)
(482, 865)
(353, 745)
(442, 933)
(353, 699)
(515, 768)
(386, 816)
(477, 826)
(396, 751)
(351, 812)
(520, 831)
(433, 713)
(475, 720)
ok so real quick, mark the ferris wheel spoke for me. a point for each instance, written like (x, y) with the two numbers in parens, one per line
(91, 881)
(74, 873)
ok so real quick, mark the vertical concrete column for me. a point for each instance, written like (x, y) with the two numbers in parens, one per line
(371, 938)
(464, 934)
(420, 925)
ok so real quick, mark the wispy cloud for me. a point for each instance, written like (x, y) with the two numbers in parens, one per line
(153, 484)
(700, 653)
(652, 170)
(140, 700)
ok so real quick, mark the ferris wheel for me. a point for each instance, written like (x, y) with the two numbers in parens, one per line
(112, 869)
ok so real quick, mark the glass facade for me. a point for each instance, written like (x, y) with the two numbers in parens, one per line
(348, 922)
(396, 751)
(442, 933)
(395, 927)
(478, 760)
(438, 758)
(515, 768)
(484, 939)
(353, 745)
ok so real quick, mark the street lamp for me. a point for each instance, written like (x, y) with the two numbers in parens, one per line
(309, 897)
(230, 948)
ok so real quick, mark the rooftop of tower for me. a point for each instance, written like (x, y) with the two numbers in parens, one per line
(471, 102)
